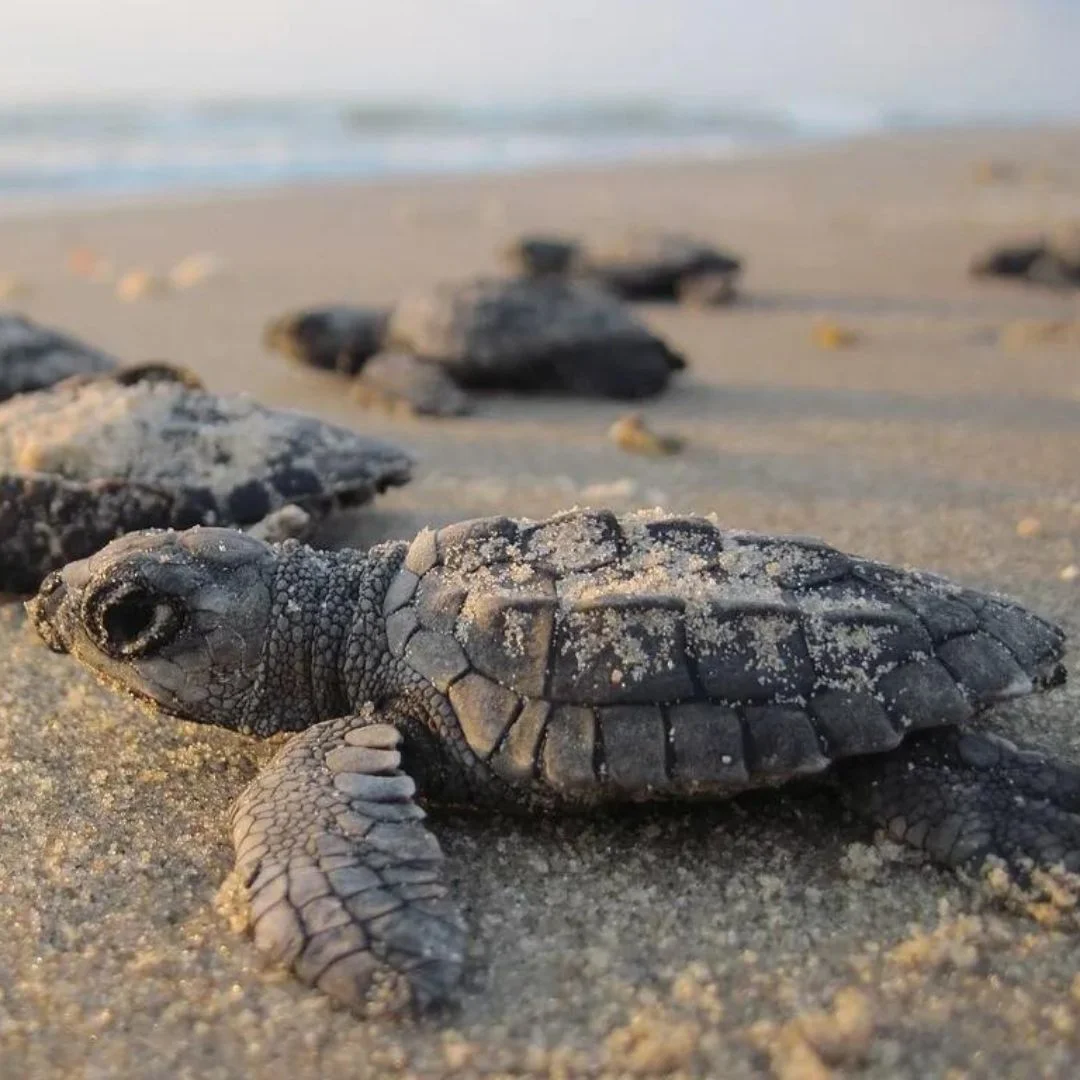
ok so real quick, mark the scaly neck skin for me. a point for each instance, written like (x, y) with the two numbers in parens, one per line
(325, 637)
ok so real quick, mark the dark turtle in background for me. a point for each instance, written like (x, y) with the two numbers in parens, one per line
(637, 266)
(337, 338)
(1052, 261)
(546, 335)
(92, 458)
(554, 666)
(33, 357)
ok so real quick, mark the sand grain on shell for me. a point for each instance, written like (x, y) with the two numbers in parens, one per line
(614, 598)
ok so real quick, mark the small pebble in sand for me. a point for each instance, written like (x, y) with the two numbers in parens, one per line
(86, 263)
(194, 270)
(830, 335)
(139, 284)
(13, 288)
(807, 1047)
(843, 1035)
(457, 1053)
(1070, 572)
(653, 1043)
(1028, 527)
(631, 433)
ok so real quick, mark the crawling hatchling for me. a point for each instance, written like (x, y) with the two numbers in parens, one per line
(437, 344)
(548, 667)
(637, 265)
(95, 457)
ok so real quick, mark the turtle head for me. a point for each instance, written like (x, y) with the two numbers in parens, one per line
(178, 620)
(539, 256)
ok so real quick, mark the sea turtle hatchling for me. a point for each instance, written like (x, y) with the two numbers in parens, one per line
(338, 338)
(639, 265)
(33, 356)
(1052, 260)
(484, 334)
(549, 666)
(95, 457)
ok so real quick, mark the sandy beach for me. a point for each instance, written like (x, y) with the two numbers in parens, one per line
(649, 943)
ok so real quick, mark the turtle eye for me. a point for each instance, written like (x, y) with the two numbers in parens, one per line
(129, 620)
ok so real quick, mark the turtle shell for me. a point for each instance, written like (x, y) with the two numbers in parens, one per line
(224, 459)
(533, 334)
(645, 655)
(33, 357)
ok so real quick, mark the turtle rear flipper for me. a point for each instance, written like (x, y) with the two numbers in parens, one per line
(964, 796)
(398, 381)
(46, 521)
(345, 881)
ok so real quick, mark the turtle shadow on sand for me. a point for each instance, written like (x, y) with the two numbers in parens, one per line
(852, 304)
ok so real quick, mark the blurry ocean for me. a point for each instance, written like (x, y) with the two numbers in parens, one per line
(56, 150)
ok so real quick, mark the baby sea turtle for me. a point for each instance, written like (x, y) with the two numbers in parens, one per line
(92, 458)
(637, 266)
(33, 357)
(544, 335)
(335, 338)
(1052, 260)
(552, 666)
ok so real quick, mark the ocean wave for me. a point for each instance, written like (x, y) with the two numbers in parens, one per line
(144, 147)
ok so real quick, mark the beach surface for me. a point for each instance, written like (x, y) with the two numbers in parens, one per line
(693, 943)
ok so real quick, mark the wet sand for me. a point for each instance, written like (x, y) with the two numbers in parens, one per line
(655, 942)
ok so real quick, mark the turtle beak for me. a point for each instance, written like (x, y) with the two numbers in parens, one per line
(53, 611)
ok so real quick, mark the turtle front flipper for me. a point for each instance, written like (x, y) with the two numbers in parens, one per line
(963, 796)
(345, 881)
(47, 521)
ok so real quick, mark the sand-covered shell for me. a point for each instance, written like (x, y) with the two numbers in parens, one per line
(659, 654)
(91, 459)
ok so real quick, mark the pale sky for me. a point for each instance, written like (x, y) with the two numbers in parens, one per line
(993, 54)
